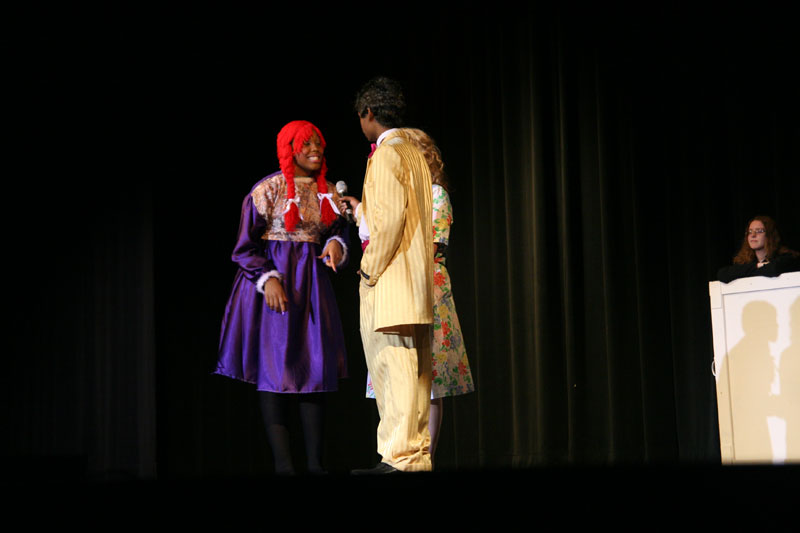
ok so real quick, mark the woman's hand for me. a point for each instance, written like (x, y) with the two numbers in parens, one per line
(274, 295)
(334, 252)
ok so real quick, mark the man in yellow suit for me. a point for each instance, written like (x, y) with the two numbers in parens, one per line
(396, 286)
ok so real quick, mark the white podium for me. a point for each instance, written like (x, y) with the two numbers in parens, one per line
(756, 329)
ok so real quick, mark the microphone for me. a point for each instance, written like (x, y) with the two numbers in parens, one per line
(341, 188)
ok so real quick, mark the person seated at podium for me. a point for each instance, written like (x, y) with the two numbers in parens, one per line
(761, 253)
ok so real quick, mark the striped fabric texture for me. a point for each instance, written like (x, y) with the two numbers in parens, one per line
(397, 207)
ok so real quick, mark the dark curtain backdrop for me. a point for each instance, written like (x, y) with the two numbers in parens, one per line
(78, 393)
(603, 165)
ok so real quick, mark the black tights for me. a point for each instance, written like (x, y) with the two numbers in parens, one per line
(275, 411)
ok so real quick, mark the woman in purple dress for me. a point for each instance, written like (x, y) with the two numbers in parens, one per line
(281, 330)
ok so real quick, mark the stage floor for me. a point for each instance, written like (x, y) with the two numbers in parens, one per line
(636, 497)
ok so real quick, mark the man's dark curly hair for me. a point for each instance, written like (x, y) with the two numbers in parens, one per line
(385, 98)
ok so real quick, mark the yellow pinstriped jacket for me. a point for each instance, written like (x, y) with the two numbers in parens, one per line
(397, 207)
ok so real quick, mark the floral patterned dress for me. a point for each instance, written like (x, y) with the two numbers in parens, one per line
(451, 373)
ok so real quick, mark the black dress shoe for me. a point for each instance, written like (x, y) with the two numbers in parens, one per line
(380, 468)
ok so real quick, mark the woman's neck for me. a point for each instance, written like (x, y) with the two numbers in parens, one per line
(761, 254)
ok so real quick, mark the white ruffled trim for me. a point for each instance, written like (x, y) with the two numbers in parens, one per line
(329, 196)
(264, 277)
(295, 201)
(344, 248)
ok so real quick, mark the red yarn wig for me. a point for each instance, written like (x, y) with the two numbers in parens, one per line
(290, 142)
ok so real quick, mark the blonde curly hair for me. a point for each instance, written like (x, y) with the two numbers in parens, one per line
(433, 156)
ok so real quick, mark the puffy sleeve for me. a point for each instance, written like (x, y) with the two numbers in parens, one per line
(442, 215)
(251, 252)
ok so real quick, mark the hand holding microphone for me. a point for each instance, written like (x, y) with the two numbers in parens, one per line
(346, 203)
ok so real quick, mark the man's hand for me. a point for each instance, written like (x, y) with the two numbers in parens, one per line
(348, 201)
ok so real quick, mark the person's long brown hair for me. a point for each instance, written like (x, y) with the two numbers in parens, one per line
(433, 156)
(772, 243)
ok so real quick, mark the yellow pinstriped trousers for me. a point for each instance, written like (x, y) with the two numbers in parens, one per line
(399, 364)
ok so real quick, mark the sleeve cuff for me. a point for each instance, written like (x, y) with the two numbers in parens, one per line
(264, 277)
(367, 280)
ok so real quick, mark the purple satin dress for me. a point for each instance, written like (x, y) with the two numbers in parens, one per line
(303, 349)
